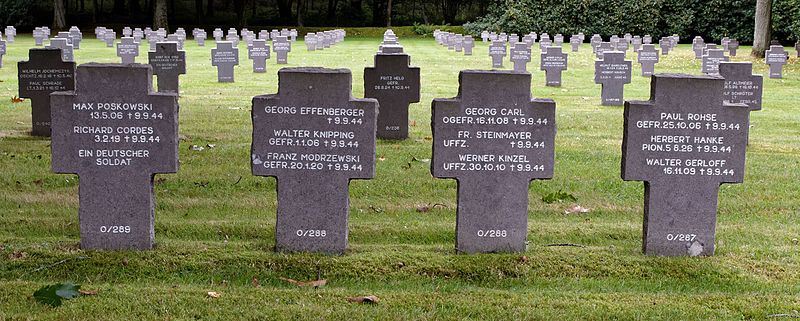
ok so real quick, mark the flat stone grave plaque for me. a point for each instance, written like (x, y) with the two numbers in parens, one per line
(711, 60)
(281, 46)
(493, 139)
(128, 50)
(741, 86)
(684, 142)
(776, 57)
(520, 56)
(313, 137)
(259, 53)
(469, 44)
(613, 72)
(64, 46)
(648, 58)
(115, 133)
(44, 73)
(553, 62)
(168, 64)
(497, 50)
(225, 57)
(395, 84)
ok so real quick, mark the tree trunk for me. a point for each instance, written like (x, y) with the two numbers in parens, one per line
(377, 13)
(160, 15)
(331, 10)
(238, 6)
(300, 7)
(119, 7)
(389, 13)
(198, 11)
(285, 11)
(763, 28)
(95, 11)
(135, 8)
(59, 20)
(210, 8)
(83, 5)
(450, 10)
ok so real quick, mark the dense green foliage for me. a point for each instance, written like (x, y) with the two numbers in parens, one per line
(711, 19)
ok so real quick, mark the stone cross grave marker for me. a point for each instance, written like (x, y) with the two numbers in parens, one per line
(575, 42)
(553, 62)
(127, 32)
(684, 142)
(741, 86)
(711, 60)
(648, 58)
(602, 48)
(76, 36)
(485, 36)
(493, 139)
(263, 34)
(313, 137)
(115, 133)
(458, 43)
(259, 53)
(128, 50)
(44, 72)
(200, 38)
(520, 56)
(3, 49)
(697, 46)
(168, 64)
(708, 46)
(218, 34)
(733, 45)
(233, 37)
(225, 57)
(39, 36)
(395, 84)
(666, 45)
(647, 39)
(776, 57)
(311, 41)
(628, 38)
(469, 44)
(595, 41)
(613, 72)
(558, 40)
(636, 42)
(497, 50)
(512, 39)
(110, 36)
(66, 48)
(545, 42)
(11, 33)
(281, 46)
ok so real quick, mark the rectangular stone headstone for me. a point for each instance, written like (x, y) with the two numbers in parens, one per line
(613, 72)
(75, 36)
(115, 134)
(666, 45)
(259, 53)
(44, 73)
(313, 137)
(684, 142)
(553, 62)
(493, 139)
(741, 86)
(697, 46)
(395, 84)
(648, 58)
(776, 57)
(636, 42)
(168, 64)
(225, 57)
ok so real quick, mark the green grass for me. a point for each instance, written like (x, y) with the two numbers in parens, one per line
(215, 234)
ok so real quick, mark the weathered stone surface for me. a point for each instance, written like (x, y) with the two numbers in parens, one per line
(553, 62)
(259, 53)
(497, 50)
(776, 57)
(741, 86)
(225, 56)
(520, 56)
(648, 57)
(395, 84)
(168, 64)
(281, 46)
(684, 142)
(128, 50)
(44, 73)
(613, 72)
(711, 60)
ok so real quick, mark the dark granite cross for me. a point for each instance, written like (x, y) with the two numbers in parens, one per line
(741, 86)
(128, 50)
(553, 62)
(259, 53)
(613, 72)
(44, 73)
(281, 46)
(225, 56)
(314, 137)
(711, 60)
(497, 50)
(648, 57)
(168, 64)
(520, 55)
(733, 44)
(395, 84)
(116, 134)
(493, 139)
(666, 45)
(684, 142)
(776, 57)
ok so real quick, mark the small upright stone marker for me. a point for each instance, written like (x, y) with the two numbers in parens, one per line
(493, 139)
(575, 42)
(2, 51)
(711, 60)
(520, 56)
(613, 72)
(648, 58)
(115, 133)
(776, 57)
(168, 64)
(314, 137)
(259, 53)
(44, 73)
(66, 48)
(666, 45)
(553, 62)
(469, 43)
(698, 45)
(741, 86)
(394, 84)
(666, 143)
(281, 46)
(497, 50)
(225, 57)
(733, 44)
(128, 50)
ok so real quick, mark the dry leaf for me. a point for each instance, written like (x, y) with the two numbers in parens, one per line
(523, 259)
(16, 99)
(254, 282)
(87, 292)
(413, 122)
(316, 283)
(364, 299)
(212, 294)
(38, 182)
(576, 209)
(381, 158)
(16, 255)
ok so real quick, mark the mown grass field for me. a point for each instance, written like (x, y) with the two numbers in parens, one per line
(215, 221)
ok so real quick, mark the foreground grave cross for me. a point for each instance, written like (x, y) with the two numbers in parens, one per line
(115, 133)
(259, 53)
(684, 142)
(313, 137)
(613, 72)
(741, 86)
(493, 139)
(44, 72)
(168, 64)
(225, 56)
(394, 84)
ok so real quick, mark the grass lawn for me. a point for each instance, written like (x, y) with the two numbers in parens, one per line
(215, 221)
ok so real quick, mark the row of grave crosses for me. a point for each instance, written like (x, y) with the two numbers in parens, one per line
(454, 41)
(323, 39)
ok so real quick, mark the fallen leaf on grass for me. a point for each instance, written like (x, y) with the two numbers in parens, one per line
(523, 259)
(364, 299)
(254, 282)
(315, 283)
(212, 294)
(576, 209)
(16, 255)
(413, 123)
(88, 292)
(38, 182)
(16, 99)
(381, 158)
